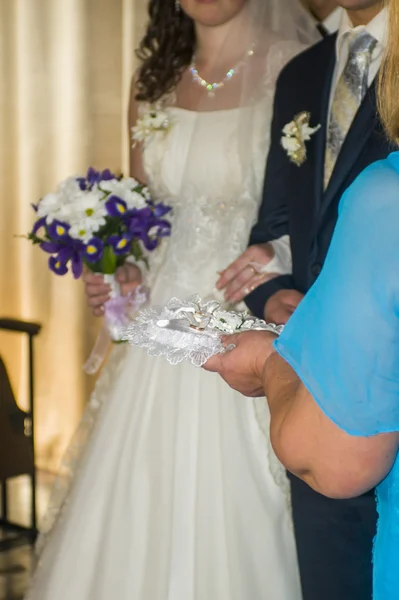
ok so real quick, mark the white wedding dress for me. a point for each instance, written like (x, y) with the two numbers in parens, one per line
(178, 495)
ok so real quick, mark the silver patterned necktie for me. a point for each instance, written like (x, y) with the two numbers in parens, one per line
(349, 93)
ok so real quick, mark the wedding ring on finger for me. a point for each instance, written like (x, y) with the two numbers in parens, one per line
(257, 271)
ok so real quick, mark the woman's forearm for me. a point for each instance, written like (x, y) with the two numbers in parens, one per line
(314, 448)
(282, 387)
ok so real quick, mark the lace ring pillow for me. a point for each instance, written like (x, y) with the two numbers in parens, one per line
(190, 330)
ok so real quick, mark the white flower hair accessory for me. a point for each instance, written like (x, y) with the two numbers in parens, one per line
(153, 121)
(295, 134)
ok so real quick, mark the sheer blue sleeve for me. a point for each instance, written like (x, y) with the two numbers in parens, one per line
(343, 339)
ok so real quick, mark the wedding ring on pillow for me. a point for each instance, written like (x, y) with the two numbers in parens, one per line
(198, 321)
(197, 327)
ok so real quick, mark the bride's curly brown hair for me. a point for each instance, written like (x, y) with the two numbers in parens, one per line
(165, 51)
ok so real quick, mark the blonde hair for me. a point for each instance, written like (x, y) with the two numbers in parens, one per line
(389, 78)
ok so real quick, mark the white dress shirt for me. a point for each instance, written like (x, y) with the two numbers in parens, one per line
(333, 21)
(310, 26)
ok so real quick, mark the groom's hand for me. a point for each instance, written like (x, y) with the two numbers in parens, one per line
(281, 305)
(243, 367)
(240, 278)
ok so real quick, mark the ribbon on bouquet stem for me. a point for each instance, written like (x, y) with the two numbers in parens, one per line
(118, 311)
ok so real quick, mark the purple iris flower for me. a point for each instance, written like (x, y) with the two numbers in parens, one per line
(94, 250)
(159, 228)
(57, 230)
(144, 213)
(50, 247)
(107, 175)
(58, 267)
(161, 209)
(82, 183)
(115, 206)
(150, 243)
(76, 264)
(138, 221)
(38, 225)
(120, 243)
(163, 228)
(146, 227)
(65, 252)
(94, 176)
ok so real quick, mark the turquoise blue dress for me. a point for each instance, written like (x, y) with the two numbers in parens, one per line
(343, 340)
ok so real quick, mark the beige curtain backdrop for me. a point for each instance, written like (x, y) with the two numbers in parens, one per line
(65, 69)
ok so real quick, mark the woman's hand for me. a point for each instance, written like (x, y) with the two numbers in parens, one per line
(129, 278)
(243, 367)
(240, 278)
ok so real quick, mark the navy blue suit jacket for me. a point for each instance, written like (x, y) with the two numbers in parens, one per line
(294, 201)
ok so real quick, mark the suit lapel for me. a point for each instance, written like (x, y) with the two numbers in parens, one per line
(358, 134)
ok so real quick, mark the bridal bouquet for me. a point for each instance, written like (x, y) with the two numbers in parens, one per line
(99, 221)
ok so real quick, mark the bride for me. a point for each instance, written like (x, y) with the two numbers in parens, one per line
(177, 495)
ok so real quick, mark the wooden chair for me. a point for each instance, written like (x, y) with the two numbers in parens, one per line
(17, 444)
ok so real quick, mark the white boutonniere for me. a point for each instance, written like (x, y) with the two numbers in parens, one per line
(154, 121)
(296, 133)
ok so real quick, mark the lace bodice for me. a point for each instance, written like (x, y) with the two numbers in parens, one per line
(213, 183)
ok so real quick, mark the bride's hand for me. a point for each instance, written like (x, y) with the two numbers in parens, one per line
(240, 278)
(129, 278)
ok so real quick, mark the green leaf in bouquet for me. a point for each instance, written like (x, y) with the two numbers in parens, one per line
(107, 265)
(32, 237)
(109, 261)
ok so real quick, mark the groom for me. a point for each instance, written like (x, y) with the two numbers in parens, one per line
(334, 82)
